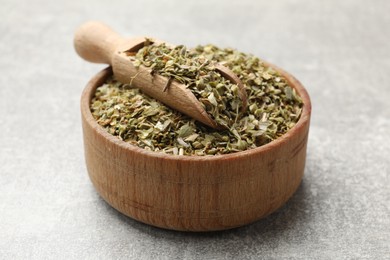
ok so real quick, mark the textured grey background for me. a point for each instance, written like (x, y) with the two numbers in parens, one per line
(340, 50)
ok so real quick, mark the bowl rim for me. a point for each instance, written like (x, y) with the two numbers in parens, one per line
(100, 77)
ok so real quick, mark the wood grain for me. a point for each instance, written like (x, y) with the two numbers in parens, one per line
(194, 193)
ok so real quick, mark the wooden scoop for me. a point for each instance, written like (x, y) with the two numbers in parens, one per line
(96, 42)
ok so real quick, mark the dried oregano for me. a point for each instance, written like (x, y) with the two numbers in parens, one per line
(218, 96)
(273, 106)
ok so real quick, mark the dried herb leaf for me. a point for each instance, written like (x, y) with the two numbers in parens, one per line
(273, 106)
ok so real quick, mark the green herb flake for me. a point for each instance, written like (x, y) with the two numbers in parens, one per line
(274, 107)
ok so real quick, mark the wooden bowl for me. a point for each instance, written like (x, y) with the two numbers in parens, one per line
(194, 193)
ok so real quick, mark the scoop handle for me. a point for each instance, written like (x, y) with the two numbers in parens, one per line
(96, 42)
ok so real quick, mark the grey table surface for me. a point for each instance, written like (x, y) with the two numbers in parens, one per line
(340, 50)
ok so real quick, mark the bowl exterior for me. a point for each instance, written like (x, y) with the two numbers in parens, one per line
(193, 193)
